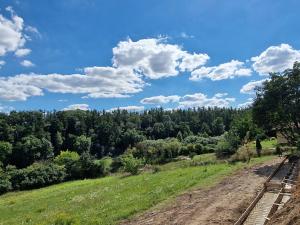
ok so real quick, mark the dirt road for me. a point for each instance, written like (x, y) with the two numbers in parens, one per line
(222, 204)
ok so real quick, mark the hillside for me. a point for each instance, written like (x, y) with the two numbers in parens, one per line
(111, 199)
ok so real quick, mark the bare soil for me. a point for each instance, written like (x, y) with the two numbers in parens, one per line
(221, 204)
(290, 213)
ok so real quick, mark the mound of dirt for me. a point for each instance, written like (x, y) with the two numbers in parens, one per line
(290, 213)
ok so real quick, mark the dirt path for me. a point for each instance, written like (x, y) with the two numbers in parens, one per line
(222, 204)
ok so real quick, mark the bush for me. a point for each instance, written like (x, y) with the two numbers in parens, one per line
(157, 151)
(66, 157)
(5, 184)
(131, 164)
(88, 167)
(106, 164)
(37, 175)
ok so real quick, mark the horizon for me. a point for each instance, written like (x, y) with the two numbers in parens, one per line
(136, 56)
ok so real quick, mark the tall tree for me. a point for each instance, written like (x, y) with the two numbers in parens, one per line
(277, 103)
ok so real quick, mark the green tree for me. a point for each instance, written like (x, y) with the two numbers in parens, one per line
(218, 126)
(277, 103)
(5, 151)
(82, 144)
(30, 149)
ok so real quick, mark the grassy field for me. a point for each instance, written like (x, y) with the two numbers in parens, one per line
(110, 199)
(266, 144)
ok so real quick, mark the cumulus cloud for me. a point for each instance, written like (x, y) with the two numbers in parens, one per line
(95, 82)
(131, 108)
(275, 59)
(13, 89)
(22, 52)
(192, 61)
(132, 62)
(11, 33)
(202, 100)
(246, 104)
(84, 107)
(228, 70)
(154, 58)
(250, 87)
(160, 99)
(27, 63)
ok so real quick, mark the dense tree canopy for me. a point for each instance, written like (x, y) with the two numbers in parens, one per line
(277, 104)
(38, 135)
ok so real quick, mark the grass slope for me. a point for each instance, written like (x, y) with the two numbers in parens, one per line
(110, 199)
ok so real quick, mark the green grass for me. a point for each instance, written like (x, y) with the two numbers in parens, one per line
(110, 199)
(266, 144)
(209, 158)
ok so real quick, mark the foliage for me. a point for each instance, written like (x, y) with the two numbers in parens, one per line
(5, 184)
(5, 151)
(38, 135)
(66, 157)
(131, 164)
(30, 149)
(277, 103)
(82, 144)
(35, 176)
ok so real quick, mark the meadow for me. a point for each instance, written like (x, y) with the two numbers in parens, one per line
(110, 199)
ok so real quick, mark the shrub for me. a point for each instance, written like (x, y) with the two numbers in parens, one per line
(5, 151)
(131, 164)
(88, 167)
(5, 184)
(66, 157)
(37, 175)
(106, 164)
(223, 149)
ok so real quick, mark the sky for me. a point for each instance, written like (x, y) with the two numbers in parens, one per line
(136, 55)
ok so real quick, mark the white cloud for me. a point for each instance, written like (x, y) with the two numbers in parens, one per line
(228, 70)
(192, 61)
(33, 30)
(250, 87)
(77, 106)
(220, 95)
(201, 100)
(131, 108)
(11, 90)
(2, 63)
(11, 33)
(275, 59)
(154, 58)
(95, 82)
(27, 63)
(246, 104)
(22, 52)
(186, 36)
(160, 99)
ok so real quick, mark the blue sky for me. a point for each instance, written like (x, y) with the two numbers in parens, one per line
(93, 54)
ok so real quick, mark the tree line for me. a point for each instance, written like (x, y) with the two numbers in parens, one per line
(31, 136)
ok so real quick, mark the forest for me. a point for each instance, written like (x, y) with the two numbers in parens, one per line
(39, 148)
